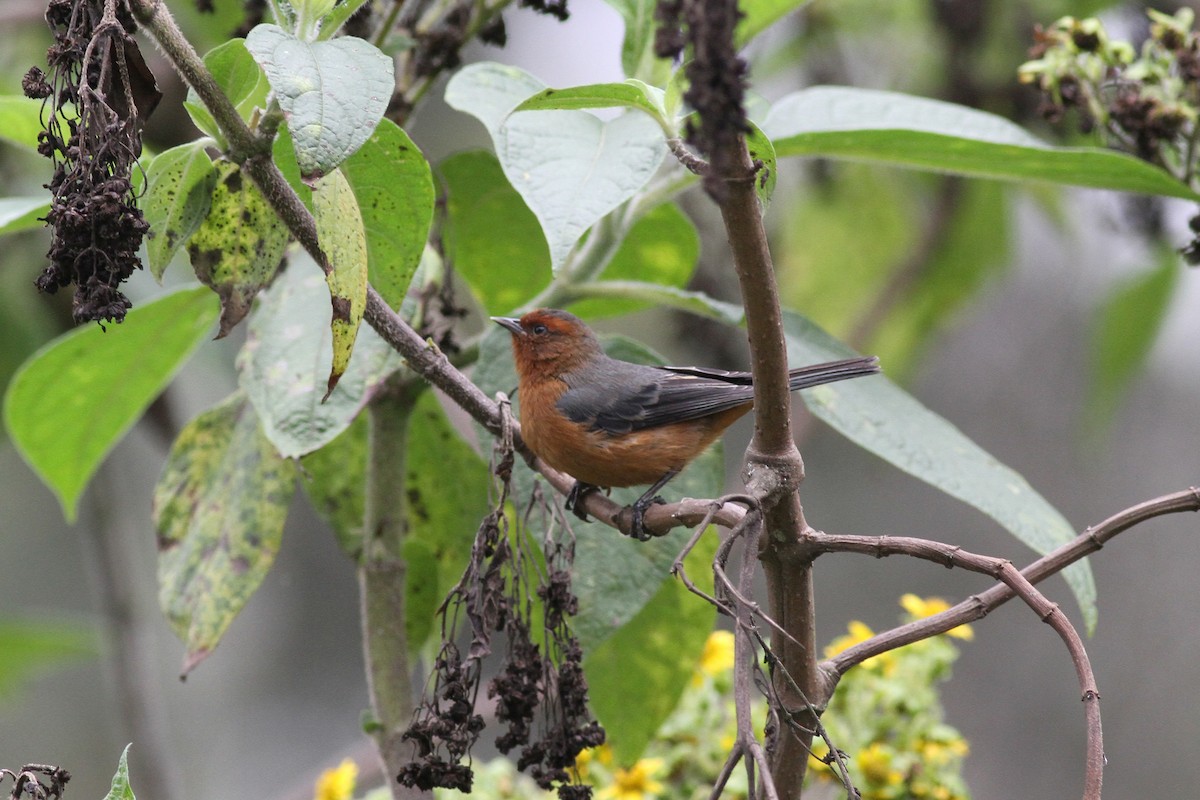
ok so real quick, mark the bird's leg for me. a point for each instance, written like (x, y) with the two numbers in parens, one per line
(576, 495)
(637, 528)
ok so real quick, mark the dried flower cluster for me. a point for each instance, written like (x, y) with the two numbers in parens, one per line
(540, 691)
(1147, 103)
(96, 98)
(716, 79)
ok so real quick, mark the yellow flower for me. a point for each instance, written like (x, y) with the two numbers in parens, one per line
(602, 754)
(717, 657)
(636, 783)
(922, 607)
(337, 783)
(876, 765)
(860, 632)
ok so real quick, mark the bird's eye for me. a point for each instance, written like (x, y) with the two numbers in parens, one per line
(539, 329)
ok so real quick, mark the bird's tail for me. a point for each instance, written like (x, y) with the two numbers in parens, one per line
(830, 371)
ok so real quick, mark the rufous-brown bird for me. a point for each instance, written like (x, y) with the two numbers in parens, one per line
(610, 423)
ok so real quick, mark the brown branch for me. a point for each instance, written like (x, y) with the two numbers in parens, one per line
(980, 605)
(1003, 570)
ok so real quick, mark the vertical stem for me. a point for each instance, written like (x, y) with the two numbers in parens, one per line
(381, 579)
(773, 470)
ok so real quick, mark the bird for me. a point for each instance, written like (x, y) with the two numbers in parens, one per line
(610, 423)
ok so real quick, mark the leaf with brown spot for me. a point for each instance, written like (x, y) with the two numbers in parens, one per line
(238, 247)
(179, 188)
(219, 509)
(340, 231)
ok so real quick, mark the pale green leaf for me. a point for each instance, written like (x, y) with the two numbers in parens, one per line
(74, 399)
(239, 245)
(394, 189)
(179, 189)
(907, 131)
(631, 93)
(287, 359)
(571, 167)
(333, 93)
(883, 419)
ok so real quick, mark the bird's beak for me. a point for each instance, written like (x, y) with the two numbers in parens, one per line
(512, 323)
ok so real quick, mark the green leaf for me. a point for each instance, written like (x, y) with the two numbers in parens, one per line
(239, 77)
(283, 153)
(637, 48)
(907, 131)
(28, 648)
(1125, 330)
(394, 188)
(631, 93)
(340, 232)
(121, 789)
(571, 167)
(22, 213)
(180, 184)
(615, 576)
(761, 150)
(238, 247)
(333, 93)
(336, 18)
(74, 399)
(219, 509)
(20, 121)
(885, 420)
(659, 252)
(491, 236)
(446, 489)
(758, 15)
(662, 645)
(333, 477)
(287, 359)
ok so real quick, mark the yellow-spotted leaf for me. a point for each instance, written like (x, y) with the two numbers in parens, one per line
(340, 231)
(238, 247)
(219, 510)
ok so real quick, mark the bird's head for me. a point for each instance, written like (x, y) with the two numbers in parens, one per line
(550, 341)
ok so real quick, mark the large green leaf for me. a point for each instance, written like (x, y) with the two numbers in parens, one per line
(661, 645)
(334, 93)
(392, 183)
(20, 121)
(885, 420)
(758, 15)
(74, 399)
(219, 509)
(22, 213)
(907, 131)
(344, 242)
(28, 648)
(491, 236)
(285, 365)
(1125, 331)
(615, 576)
(571, 167)
(179, 190)
(239, 245)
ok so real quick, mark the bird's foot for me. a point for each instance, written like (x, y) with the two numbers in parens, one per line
(637, 526)
(576, 495)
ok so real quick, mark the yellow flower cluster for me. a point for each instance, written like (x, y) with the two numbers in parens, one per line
(337, 783)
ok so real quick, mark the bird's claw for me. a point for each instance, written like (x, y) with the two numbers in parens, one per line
(637, 525)
(575, 497)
